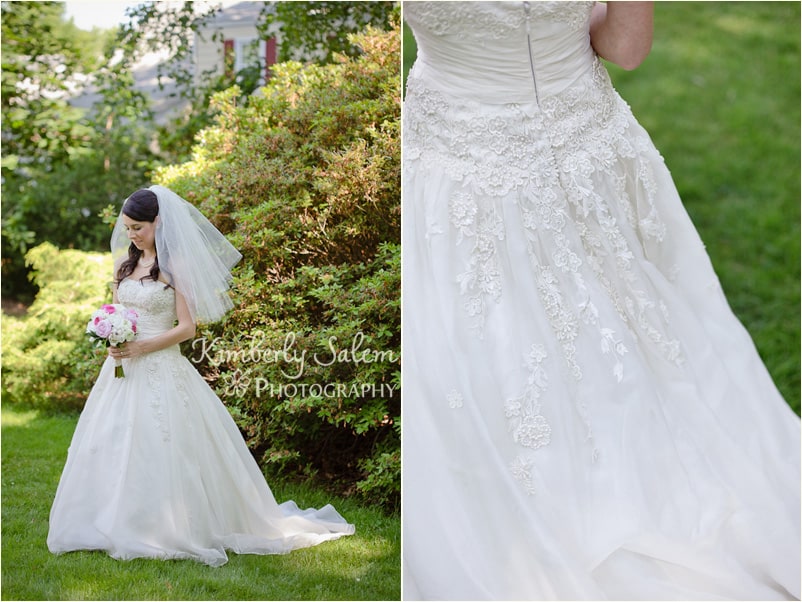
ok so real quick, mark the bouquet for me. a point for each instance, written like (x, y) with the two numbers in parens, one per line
(112, 325)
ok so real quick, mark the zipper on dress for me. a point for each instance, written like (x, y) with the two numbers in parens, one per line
(527, 11)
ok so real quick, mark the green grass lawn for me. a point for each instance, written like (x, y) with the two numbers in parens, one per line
(365, 566)
(720, 96)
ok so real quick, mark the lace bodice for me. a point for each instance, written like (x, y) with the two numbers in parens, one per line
(498, 87)
(479, 20)
(154, 303)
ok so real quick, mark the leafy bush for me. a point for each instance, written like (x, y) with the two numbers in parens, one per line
(305, 180)
(48, 361)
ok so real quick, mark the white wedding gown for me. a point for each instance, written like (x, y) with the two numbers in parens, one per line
(584, 417)
(158, 469)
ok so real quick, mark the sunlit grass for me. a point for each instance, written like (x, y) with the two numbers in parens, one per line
(365, 566)
(19, 417)
(720, 96)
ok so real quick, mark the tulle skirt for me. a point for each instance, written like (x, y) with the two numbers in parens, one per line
(158, 469)
(584, 416)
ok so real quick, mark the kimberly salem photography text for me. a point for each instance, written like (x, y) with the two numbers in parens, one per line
(290, 363)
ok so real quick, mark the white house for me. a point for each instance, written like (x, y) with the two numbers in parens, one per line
(231, 41)
(230, 33)
(146, 80)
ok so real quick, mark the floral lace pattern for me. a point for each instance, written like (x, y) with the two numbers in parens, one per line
(454, 399)
(521, 469)
(153, 301)
(482, 278)
(552, 158)
(155, 397)
(496, 153)
(527, 424)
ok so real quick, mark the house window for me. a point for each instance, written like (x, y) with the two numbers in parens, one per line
(247, 52)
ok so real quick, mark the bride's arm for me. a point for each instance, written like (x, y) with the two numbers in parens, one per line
(184, 330)
(621, 32)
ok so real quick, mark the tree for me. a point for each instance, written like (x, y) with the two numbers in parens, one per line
(164, 28)
(41, 55)
(43, 59)
(321, 29)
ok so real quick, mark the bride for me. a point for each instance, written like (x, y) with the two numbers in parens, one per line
(157, 467)
(584, 416)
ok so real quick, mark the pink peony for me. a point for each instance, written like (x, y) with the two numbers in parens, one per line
(103, 329)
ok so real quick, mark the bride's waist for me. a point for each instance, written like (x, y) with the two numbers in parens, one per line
(431, 106)
(155, 357)
(147, 335)
(466, 136)
(151, 330)
(503, 82)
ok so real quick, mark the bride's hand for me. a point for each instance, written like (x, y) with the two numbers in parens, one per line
(126, 351)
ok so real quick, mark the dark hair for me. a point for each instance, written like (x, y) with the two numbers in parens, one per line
(142, 206)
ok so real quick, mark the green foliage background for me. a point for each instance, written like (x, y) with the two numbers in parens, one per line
(48, 361)
(61, 165)
(306, 28)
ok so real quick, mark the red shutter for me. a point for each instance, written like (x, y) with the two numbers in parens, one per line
(228, 57)
(270, 55)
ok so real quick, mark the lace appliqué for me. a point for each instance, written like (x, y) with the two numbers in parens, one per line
(155, 385)
(482, 278)
(454, 399)
(521, 470)
(556, 158)
(179, 372)
(615, 347)
(496, 153)
(527, 424)
(153, 301)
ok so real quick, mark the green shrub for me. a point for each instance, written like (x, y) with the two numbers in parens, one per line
(48, 361)
(60, 204)
(305, 180)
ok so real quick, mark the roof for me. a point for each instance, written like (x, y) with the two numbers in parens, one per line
(242, 13)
